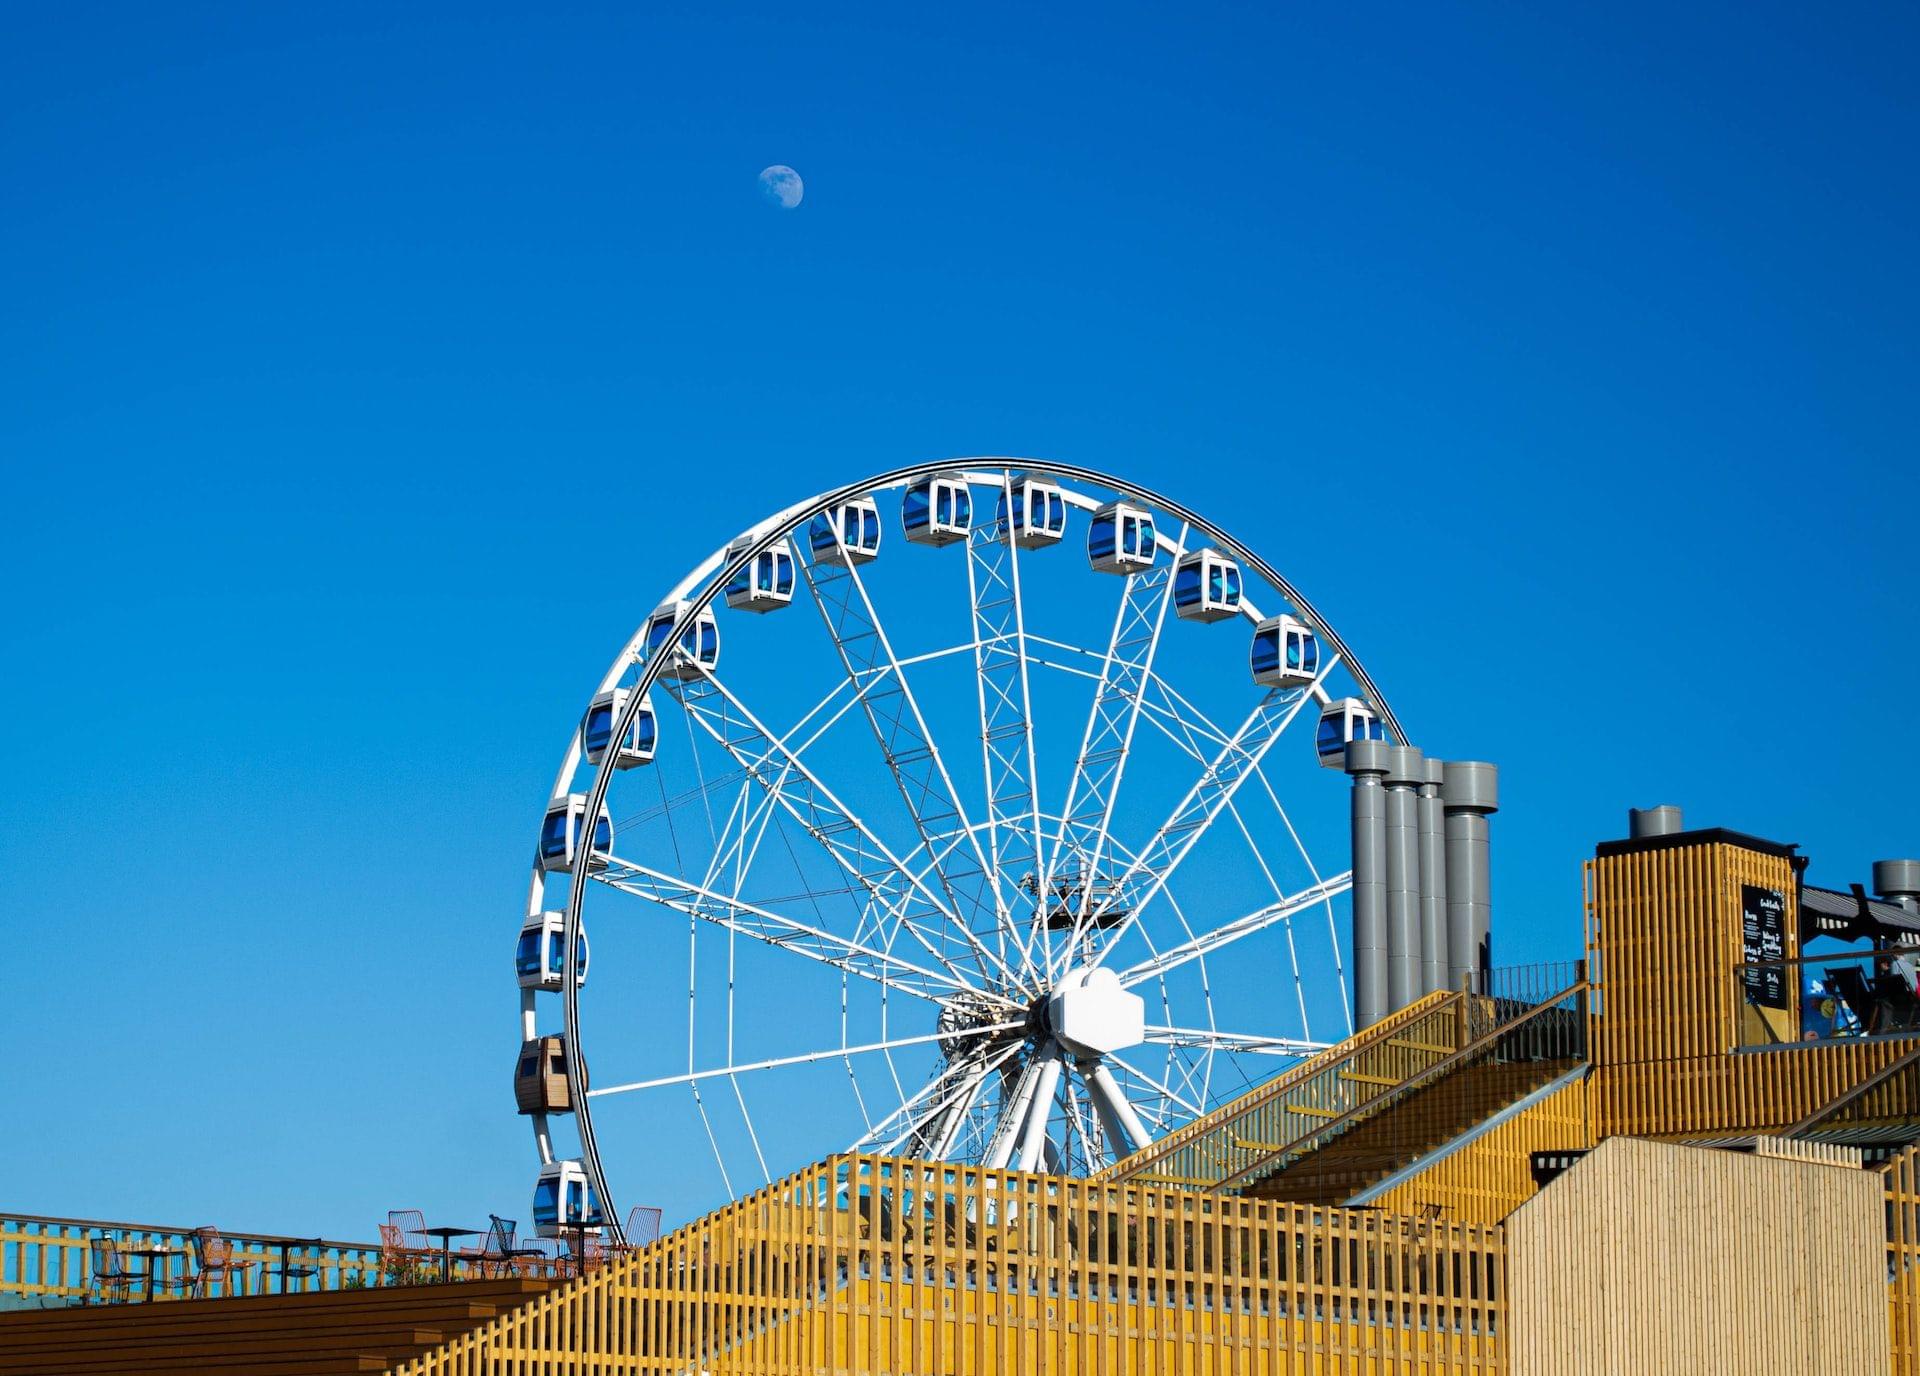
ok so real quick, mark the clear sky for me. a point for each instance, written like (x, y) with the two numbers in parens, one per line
(365, 376)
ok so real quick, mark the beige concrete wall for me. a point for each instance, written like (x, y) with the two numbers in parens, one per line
(1651, 1257)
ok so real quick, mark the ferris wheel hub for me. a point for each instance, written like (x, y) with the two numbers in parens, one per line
(1091, 1014)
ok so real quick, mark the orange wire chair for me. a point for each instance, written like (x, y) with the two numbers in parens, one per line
(400, 1261)
(216, 1261)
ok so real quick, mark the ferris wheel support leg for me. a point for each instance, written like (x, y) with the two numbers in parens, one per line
(1033, 1135)
(1006, 1133)
(1117, 1115)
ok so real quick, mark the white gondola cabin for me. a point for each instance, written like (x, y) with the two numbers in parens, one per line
(937, 510)
(564, 1202)
(540, 1077)
(846, 534)
(766, 583)
(1285, 653)
(596, 732)
(698, 649)
(1344, 720)
(541, 957)
(1121, 539)
(1206, 586)
(1038, 514)
(564, 830)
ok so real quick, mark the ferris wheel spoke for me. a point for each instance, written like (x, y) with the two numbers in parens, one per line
(1233, 931)
(930, 1099)
(1208, 1039)
(1230, 932)
(1107, 742)
(849, 842)
(942, 1132)
(830, 1053)
(900, 729)
(1189, 821)
(1155, 1090)
(1333, 930)
(1006, 709)
(776, 929)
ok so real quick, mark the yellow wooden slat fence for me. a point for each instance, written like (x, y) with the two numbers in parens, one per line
(866, 1264)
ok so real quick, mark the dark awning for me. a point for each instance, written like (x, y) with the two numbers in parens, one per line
(1851, 916)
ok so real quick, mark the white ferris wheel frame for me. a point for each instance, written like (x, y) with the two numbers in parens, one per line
(695, 594)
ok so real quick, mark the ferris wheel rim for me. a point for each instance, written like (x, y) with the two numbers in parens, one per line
(710, 576)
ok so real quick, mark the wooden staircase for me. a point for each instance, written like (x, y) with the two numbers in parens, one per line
(1425, 1121)
(318, 1334)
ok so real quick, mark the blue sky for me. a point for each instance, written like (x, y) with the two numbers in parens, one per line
(362, 383)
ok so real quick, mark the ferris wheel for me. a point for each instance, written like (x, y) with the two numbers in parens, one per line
(1001, 832)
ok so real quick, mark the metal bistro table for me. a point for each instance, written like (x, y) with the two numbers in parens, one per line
(289, 1272)
(446, 1236)
(156, 1256)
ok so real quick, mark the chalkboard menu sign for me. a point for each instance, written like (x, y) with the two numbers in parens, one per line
(1763, 936)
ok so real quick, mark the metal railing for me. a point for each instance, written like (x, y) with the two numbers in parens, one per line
(1358, 1074)
(1533, 1046)
(46, 1260)
(1838, 997)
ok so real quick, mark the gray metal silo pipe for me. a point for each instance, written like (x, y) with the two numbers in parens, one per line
(1644, 822)
(1469, 793)
(1406, 771)
(1367, 762)
(1433, 881)
(1898, 881)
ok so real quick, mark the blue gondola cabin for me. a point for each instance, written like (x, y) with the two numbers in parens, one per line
(697, 650)
(1206, 586)
(564, 1203)
(764, 583)
(1121, 539)
(1345, 720)
(846, 534)
(1038, 512)
(937, 510)
(603, 715)
(565, 829)
(1285, 653)
(541, 956)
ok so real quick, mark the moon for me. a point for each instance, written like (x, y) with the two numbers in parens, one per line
(782, 186)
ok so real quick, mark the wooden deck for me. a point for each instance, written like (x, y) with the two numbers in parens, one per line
(315, 1334)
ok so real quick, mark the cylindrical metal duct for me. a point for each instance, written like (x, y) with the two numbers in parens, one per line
(1406, 771)
(1898, 881)
(1469, 792)
(1643, 822)
(1367, 762)
(1433, 882)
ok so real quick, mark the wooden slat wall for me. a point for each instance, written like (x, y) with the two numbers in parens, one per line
(1663, 943)
(1653, 1257)
(1491, 1176)
(875, 1265)
(1901, 1175)
(1757, 1091)
(1664, 949)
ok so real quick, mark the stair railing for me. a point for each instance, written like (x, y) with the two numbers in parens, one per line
(1528, 1031)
